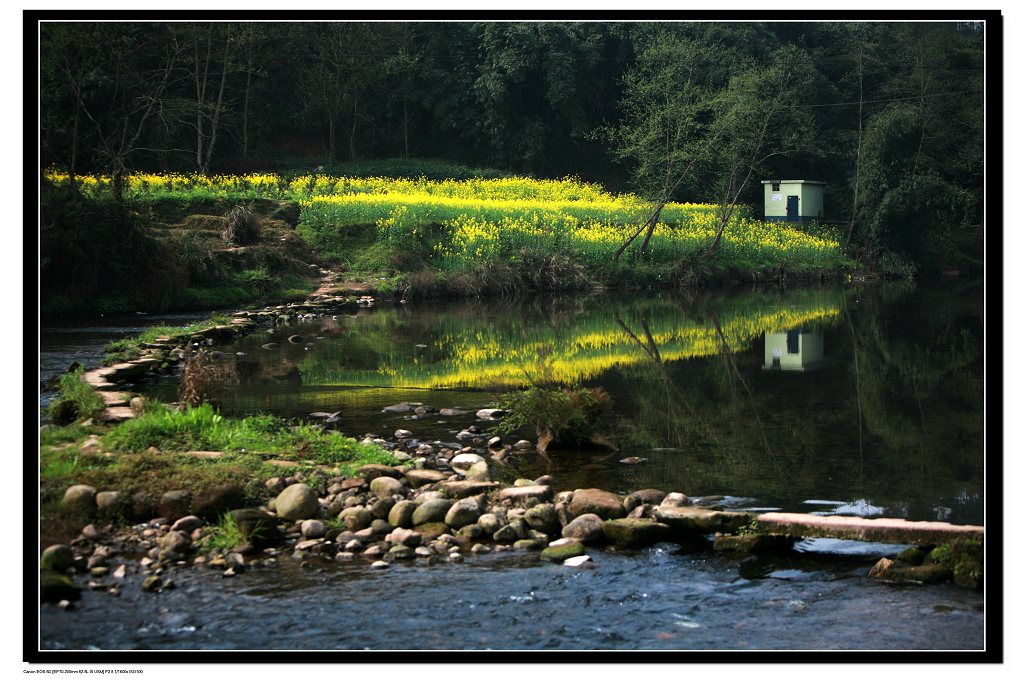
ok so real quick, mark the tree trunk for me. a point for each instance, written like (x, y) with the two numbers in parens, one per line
(355, 124)
(330, 138)
(201, 95)
(217, 107)
(860, 135)
(245, 112)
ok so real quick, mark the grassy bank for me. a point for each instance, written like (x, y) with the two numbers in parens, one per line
(487, 234)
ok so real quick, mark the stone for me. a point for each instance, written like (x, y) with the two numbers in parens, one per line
(494, 442)
(490, 523)
(490, 413)
(295, 338)
(431, 511)
(928, 574)
(587, 528)
(463, 513)
(529, 544)
(479, 471)
(520, 493)
(256, 527)
(372, 471)
(560, 553)
(151, 583)
(386, 486)
(472, 531)
(506, 535)
(544, 518)
(58, 558)
(757, 543)
(572, 562)
(356, 518)
(187, 524)
(675, 500)
(400, 552)
(143, 506)
(404, 536)
(523, 445)
(452, 412)
(213, 502)
(460, 489)
(63, 412)
(174, 504)
(297, 501)
(650, 496)
(635, 532)
(176, 542)
(465, 460)
(605, 504)
(431, 531)
(80, 500)
(137, 405)
(397, 409)
(401, 514)
(112, 503)
(382, 507)
(381, 527)
(54, 587)
(313, 529)
(421, 477)
(699, 521)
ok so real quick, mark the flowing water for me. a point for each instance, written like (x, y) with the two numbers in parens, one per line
(863, 401)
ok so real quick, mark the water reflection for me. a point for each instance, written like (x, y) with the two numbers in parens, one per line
(796, 350)
(890, 417)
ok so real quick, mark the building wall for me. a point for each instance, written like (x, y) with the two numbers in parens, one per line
(811, 201)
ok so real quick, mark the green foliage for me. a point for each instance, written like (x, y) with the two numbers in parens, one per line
(223, 536)
(568, 414)
(86, 401)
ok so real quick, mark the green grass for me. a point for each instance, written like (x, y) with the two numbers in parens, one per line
(224, 536)
(202, 428)
(87, 402)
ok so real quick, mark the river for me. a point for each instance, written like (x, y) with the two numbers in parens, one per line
(860, 400)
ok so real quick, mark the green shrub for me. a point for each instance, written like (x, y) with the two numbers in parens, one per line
(75, 392)
(567, 414)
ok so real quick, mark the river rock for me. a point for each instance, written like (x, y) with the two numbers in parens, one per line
(562, 552)
(544, 518)
(490, 413)
(650, 496)
(54, 587)
(397, 409)
(400, 552)
(256, 527)
(523, 445)
(295, 338)
(431, 531)
(632, 532)
(431, 511)
(382, 507)
(421, 477)
(402, 434)
(111, 503)
(754, 544)
(521, 493)
(575, 561)
(698, 521)
(356, 518)
(404, 536)
(213, 502)
(452, 412)
(297, 501)
(176, 542)
(401, 514)
(187, 524)
(491, 522)
(887, 569)
(313, 529)
(372, 471)
(80, 500)
(465, 460)
(58, 558)
(479, 471)
(63, 412)
(675, 500)
(605, 504)
(587, 528)
(506, 535)
(137, 405)
(386, 486)
(174, 504)
(460, 489)
(463, 512)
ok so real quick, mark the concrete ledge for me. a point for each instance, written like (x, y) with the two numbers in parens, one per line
(898, 531)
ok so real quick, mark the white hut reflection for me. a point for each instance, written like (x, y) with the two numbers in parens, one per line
(797, 350)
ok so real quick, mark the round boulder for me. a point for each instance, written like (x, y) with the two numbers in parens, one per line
(463, 513)
(432, 511)
(57, 557)
(544, 518)
(297, 501)
(385, 486)
(401, 514)
(80, 500)
(174, 504)
(586, 528)
(605, 504)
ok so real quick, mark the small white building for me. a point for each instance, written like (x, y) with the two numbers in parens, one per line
(793, 201)
(797, 350)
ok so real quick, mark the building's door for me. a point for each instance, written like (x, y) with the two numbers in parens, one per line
(793, 208)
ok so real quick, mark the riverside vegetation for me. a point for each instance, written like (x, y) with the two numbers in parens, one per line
(414, 236)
